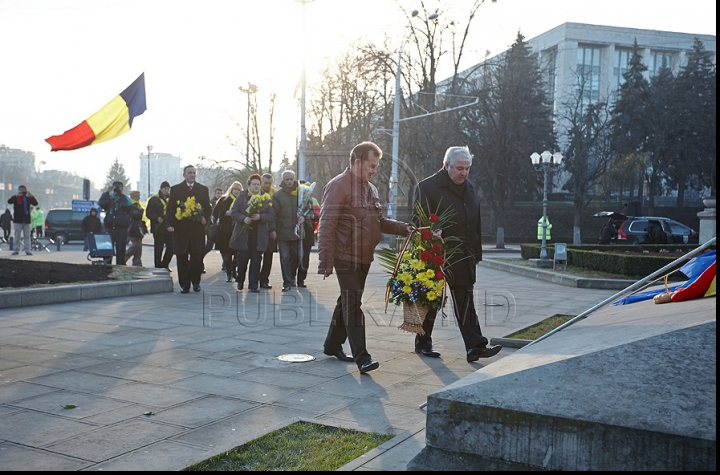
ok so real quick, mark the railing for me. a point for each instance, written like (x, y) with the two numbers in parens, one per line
(636, 286)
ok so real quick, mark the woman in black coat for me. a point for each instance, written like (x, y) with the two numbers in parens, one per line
(252, 241)
(221, 214)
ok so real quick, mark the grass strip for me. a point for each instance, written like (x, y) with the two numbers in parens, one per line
(539, 329)
(299, 446)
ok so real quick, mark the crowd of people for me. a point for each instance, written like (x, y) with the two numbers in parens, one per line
(248, 223)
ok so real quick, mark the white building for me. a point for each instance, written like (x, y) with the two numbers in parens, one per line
(601, 54)
(159, 167)
(593, 58)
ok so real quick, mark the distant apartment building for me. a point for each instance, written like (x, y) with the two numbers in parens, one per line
(159, 167)
(590, 60)
(17, 167)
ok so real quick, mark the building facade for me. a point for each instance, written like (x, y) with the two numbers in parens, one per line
(159, 167)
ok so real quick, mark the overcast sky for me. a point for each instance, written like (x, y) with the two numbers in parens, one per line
(62, 60)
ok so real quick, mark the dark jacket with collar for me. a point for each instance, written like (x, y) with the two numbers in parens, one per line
(438, 193)
(188, 235)
(118, 209)
(156, 209)
(22, 208)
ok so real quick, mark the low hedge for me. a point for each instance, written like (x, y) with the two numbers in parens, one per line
(632, 261)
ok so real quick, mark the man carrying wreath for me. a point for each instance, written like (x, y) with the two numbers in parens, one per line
(351, 223)
(188, 211)
(451, 189)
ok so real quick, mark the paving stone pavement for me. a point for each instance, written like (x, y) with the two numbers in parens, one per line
(166, 380)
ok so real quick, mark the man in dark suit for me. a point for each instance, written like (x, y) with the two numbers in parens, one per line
(450, 188)
(188, 234)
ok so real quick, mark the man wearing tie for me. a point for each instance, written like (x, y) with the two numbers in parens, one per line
(188, 235)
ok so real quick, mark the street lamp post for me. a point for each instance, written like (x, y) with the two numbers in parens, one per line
(149, 147)
(392, 197)
(251, 89)
(303, 134)
(546, 160)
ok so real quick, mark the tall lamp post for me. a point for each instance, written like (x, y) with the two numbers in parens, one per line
(150, 147)
(392, 198)
(303, 134)
(545, 160)
(251, 89)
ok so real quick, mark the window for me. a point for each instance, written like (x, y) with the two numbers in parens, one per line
(552, 66)
(620, 66)
(658, 60)
(588, 75)
(639, 226)
(679, 229)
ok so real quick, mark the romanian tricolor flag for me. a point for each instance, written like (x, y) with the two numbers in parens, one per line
(702, 279)
(111, 121)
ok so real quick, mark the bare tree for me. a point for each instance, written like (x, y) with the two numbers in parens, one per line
(588, 154)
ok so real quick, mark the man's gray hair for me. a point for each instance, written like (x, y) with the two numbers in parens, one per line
(288, 173)
(457, 153)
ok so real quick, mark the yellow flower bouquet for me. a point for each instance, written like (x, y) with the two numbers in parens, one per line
(256, 204)
(189, 210)
(418, 279)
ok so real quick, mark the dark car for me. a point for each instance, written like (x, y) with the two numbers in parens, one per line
(649, 229)
(65, 225)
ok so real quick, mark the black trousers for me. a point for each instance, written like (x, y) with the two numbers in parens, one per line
(267, 259)
(467, 320)
(348, 320)
(189, 267)
(119, 237)
(162, 242)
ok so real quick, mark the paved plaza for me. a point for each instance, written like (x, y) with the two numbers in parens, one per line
(165, 380)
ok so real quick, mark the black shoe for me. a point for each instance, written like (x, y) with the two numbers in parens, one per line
(254, 290)
(302, 284)
(475, 354)
(229, 279)
(240, 286)
(369, 366)
(427, 352)
(339, 354)
(265, 286)
(196, 288)
(286, 289)
(185, 290)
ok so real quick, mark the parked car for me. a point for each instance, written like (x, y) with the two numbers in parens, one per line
(65, 225)
(640, 229)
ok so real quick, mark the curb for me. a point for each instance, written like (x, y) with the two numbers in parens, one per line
(152, 283)
(382, 448)
(557, 278)
(509, 342)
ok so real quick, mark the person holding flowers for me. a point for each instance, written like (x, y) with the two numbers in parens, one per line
(450, 189)
(351, 223)
(222, 215)
(188, 212)
(251, 212)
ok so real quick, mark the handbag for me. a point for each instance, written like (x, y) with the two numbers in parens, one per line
(214, 233)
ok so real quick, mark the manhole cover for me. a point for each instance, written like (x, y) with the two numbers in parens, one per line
(295, 358)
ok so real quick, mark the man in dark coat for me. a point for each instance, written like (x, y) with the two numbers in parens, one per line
(22, 203)
(450, 188)
(118, 210)
(5, 223)
(188, 234)
(91, 225)
(156, 209)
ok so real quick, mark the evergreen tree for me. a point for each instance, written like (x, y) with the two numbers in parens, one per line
(513, 118)
(630, 111)
(696, 151)
(116, 173)
(662, 131)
